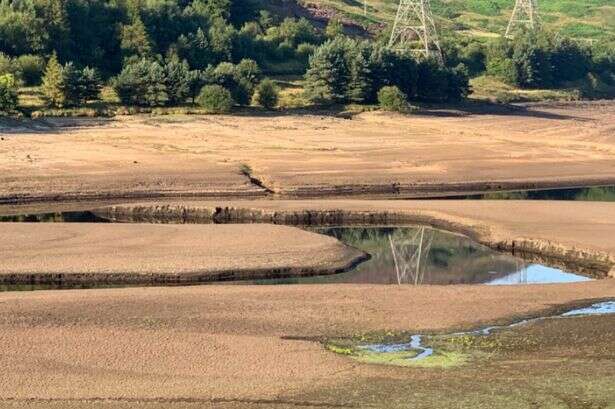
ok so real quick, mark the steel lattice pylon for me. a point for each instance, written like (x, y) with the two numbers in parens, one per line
(413, 22)
(524, 14)
(409, 255)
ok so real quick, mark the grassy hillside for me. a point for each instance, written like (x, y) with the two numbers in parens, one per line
(587, 19)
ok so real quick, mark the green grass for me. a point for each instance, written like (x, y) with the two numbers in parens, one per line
(489, 88)
(584, 20)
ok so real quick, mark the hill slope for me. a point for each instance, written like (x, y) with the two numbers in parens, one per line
(588, 19)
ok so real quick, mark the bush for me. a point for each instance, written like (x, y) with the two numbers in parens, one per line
(215, 99)
(31, 68)
(8, 66)
(239, 79)
(8, 93)
(390, 98)
(141, 83)
(267, 94)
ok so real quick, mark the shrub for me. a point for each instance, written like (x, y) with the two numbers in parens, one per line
(267, 94)
(8, 66)
(215, 99)
(31, 68)
(305, 50)
(8, 93)
(390, 98)
(141, 83)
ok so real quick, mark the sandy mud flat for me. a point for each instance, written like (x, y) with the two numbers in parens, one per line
(374, 154)
(243, 344)
(144, 253)
(577, 233)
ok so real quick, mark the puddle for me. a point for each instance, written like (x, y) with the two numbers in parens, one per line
(586, 194)
(422, 255)
(414, 351)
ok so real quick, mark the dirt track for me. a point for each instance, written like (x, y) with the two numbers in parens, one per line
(374, 154)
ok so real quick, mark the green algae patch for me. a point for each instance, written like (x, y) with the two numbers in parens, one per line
(355, 349)
(401, 358)
(442, 359)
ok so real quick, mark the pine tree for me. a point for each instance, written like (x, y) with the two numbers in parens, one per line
(156, 94)
(70, 86)
(53, 82)
(135, 39)
(326, 79)
(176, 81)
(196, 81)
(360, 87)
(90, 84)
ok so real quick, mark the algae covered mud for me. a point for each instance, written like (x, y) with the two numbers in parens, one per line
(447, 349)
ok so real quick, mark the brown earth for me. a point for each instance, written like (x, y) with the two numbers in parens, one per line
(375, 154)
(581, 233)
(245, 345)
(138, 253)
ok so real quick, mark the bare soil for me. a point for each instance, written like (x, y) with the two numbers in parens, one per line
(145, 253)
(443, 151)
(578, 233)
(252, 345)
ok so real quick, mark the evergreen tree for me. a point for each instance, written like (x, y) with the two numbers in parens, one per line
(71, 85)
(326, 79)
(195, 49)
(176, 81)
(135, 39)
(90, 84)
(221, 38)
(53, 82)
(132, 83)
(156, 94)
(196, 81)
(360, 87)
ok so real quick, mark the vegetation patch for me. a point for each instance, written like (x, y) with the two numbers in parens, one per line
(355, 348)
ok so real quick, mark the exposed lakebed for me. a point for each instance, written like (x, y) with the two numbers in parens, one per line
(398, 255)
(423, 255)
(420, 349)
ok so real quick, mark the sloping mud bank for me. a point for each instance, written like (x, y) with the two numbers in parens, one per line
(65, 253)
(566, 234)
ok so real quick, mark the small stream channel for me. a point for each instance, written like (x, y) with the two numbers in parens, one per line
(422, 351)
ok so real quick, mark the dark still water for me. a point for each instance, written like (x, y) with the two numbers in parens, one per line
(584, 194)
(422, 255)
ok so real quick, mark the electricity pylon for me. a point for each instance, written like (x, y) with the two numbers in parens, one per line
(413, 22)
(524, 14)
(409, 255)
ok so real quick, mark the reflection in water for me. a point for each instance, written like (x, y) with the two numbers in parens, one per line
(584, 194)
(422, 255)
